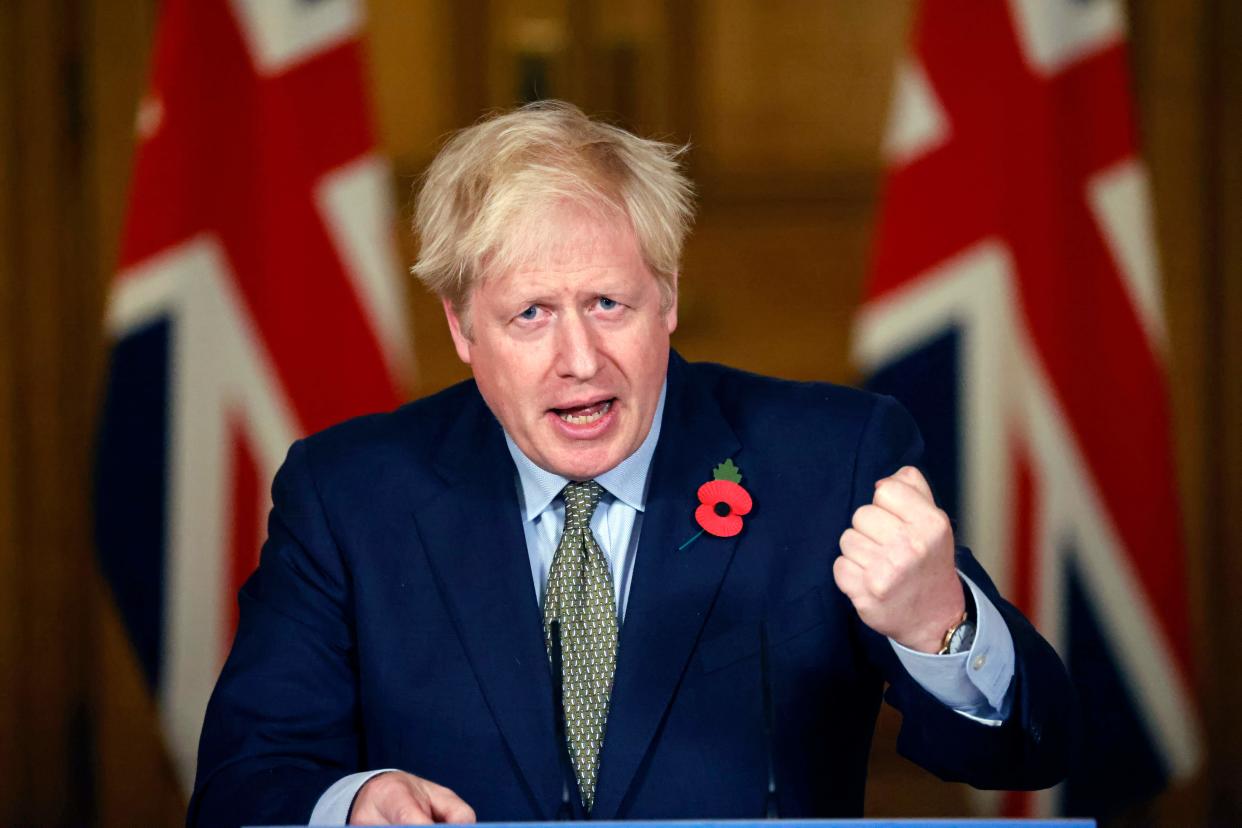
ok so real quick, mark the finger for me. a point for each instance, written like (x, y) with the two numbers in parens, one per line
(409, 814)
(912, 476)
(389, 813)
(447, 806)
(857, 547)
(899, 498)
(878, 524)
(458, 812)
(849, 577)
(389, 798)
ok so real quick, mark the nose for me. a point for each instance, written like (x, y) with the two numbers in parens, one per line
(577, 355)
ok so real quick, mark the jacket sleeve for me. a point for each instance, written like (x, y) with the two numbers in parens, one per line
(1035, 745)
(281, 724)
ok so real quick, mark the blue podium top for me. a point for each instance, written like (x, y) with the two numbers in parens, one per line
(807, 823)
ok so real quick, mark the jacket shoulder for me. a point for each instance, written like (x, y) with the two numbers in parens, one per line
(393, 448)
(751, 400)
(818, 434)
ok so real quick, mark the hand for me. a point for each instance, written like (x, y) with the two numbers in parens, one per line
(897, 564)
(396, 798)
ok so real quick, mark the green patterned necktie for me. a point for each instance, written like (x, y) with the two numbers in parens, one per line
(580, 596)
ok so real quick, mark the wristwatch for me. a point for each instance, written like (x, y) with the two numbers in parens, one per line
(961, 635)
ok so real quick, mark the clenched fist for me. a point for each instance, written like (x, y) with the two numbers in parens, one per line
(397, 798)
(897, 564)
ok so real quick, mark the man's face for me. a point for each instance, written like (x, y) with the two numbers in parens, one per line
(570, 348)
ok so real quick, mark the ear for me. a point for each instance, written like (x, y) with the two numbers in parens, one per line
(670, 317)
(460, 341)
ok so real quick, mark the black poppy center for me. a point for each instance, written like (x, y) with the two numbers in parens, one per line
(722, 509)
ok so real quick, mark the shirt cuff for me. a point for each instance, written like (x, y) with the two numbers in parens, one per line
(974, 683)
(334, 806)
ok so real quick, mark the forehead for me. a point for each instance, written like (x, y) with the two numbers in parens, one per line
(567, 242)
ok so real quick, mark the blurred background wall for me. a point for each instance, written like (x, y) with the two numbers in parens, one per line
(784, 103)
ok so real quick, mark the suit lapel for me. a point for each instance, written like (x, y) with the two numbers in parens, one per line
(672, 590)
(473, 537)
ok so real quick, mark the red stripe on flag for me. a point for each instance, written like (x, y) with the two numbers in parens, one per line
(1020, 153)
(232, 158)
(1017, 804)
(1022, 584)
(239, 156)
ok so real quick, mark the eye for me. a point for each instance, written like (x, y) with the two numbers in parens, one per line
(607, 304)
(530, 313)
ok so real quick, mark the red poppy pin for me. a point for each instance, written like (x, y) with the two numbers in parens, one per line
(722, 503)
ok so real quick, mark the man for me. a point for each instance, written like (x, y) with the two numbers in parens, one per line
(716, 651)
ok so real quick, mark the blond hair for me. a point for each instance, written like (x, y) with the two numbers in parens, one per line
(483, 197)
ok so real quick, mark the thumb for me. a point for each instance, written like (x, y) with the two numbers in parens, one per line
(407, 814)
(447, 806)
(913, 477)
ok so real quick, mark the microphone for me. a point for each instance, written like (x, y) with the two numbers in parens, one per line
(566, 811)
(771, 801)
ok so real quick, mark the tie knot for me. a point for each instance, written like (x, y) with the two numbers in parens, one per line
(580, 502)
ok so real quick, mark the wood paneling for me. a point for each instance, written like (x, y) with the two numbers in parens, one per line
(794, 94)
(1170, 106)
(632, 70)
(134, 780)
(12, 765)
(48, 337)
(771, 287)
(1223, 441)
(1187, 67)
(413, 62)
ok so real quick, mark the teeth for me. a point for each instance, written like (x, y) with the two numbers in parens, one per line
(585, 419)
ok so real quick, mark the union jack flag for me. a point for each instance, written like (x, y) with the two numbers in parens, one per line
(257, 299)
(1014, 306)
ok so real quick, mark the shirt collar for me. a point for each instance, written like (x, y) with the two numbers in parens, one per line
(627, 481)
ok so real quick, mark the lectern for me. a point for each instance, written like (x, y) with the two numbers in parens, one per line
(811, 823)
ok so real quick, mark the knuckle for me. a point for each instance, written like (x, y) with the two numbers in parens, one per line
(901, 557)
(902, 539)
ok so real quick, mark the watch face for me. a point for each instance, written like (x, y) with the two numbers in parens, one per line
(963, 637)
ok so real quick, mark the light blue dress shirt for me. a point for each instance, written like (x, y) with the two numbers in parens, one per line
(974, 683)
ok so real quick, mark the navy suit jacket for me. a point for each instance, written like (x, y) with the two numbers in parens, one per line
(392, 622)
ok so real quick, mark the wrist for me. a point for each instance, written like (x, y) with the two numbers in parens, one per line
(934, 637)
(961, 635)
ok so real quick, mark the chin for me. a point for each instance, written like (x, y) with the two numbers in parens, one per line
(582, 471)
(585, 467)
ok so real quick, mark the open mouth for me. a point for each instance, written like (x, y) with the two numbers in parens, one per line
(585, 414)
